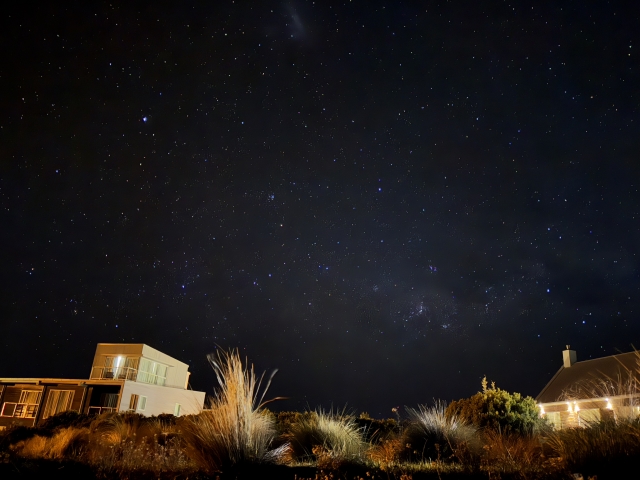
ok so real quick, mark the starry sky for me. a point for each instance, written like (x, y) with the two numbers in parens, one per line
(384, 200)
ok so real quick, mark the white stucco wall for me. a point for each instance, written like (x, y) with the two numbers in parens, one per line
(162, 399)
(177, 371)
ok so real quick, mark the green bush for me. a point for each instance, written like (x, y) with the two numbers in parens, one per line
(498, 409)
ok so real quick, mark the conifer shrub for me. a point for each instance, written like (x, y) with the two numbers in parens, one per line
(498, 409)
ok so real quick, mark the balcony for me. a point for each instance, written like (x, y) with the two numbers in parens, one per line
(99, 410)
(114, 373)
(126, 373)
(19, 410)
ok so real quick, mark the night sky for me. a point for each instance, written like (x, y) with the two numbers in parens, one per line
(386, 201)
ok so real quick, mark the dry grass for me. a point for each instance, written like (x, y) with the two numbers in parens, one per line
(114, 444)
(604, 441)
(514, 454)
(235, 429)
(327, 438)
(435, 436)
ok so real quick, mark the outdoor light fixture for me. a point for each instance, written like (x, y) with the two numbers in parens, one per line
(541, 409)
(609, 406)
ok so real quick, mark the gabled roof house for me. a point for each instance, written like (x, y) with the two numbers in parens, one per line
(124, 377)
(591, 390)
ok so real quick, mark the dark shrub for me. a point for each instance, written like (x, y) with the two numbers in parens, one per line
(65, 420)
(15, 434)
(375, 430)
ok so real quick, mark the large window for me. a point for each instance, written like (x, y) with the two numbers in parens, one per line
(152, 372)
(110, 400)
(57, 401)
(120, 367)
(554, 419)
(588, 417)
(26, 407)
(30, 396)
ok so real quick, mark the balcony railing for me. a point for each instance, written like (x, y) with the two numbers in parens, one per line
(99, 410)
(114, 373)
(126, 373)
(19, 410)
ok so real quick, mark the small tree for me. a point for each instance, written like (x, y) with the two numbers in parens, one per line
(498, 409)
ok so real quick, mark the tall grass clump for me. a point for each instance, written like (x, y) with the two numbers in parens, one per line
(235, 429)
(509, 453)
(607, 443)
(327, 438)
(434, 435)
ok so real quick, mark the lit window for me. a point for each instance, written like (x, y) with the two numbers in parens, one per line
(142, 403)
(58, 401)
(30, 396)
(176, 410)
(152, 372)
(588, 417)
(554, 419)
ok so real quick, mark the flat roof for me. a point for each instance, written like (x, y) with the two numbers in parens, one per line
(43, 381)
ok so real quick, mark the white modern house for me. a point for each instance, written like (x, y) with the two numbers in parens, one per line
(124, 377)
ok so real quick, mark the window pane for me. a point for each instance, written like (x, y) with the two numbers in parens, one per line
(58, 401)
(110, 400)
(29, 396)
(142, 403)
(589, 416)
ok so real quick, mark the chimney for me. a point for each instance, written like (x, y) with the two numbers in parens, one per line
(569, 357)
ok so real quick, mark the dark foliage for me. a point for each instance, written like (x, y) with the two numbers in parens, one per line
(16, 434)
(65, 420)
(376, 431)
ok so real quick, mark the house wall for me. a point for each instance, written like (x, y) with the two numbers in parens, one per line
(566, 415)
(177, 372)
(162, 399)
